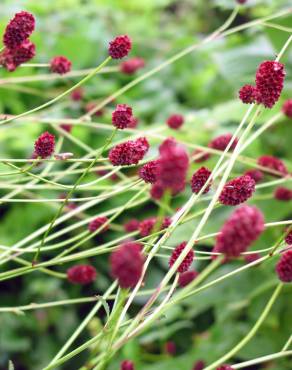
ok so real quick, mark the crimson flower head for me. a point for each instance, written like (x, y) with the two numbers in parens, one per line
(122, 116)
(60, 65)
(130, 152)
(221, 142)
(199, 365)
(156, 191)
(148, 172)
(18, 29)
(270, 77)
(287, 108)
(237, 191)
(127, 264)
(146, 226)
(77, 94)
(282, 193)
(199, 179)
(175, 121)
(240, 2)
(225, 367)
(255, 174)
(187, 277)
(120, 47)
(284, 267)
(170, 348)
(247, 94)
(44, 146)
(173, 166)
(127, 365)
(66, 127)
(288, 238)
(273, 163)
(97, 223)
(132, 65)
(132, 225)
(242, 228)
(81, 274)
(187, 261)
(200, 156)
(251, 257)
(12, 58)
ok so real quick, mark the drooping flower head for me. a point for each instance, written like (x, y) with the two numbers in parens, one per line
(97, 223)
(284, 267)
(187, 261)
(132, 65)
(175, 121)
(60, 65)
(255, 174)
(44, 146)
(242, 228)
(237, 191)
(127, 264)
(287, 108)
(120, 47)
(130, 152)
(12, 58)
(273, 163)
(187, 277)
(122, 116)
(221, 142)
(199, 179)
(148, 172)
(18, 29)
(81, 274)
(283, 194)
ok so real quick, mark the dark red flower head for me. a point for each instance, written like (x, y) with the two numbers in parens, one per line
(44, 146)
(199, 365)
(225, 367)
(255, 174)
(269, 82)
(173, 166)
(148, 172)
(251, 257)
(60, 65)
(188, 260)
(18, 29)
(120, 47)
(77, 94)
(127, 365)
(237, 191)
(175, 121)
(241, 2)
(187, 277)
(122, 116)
(127, 264)
(221, 142)
(247, 94)
(130, 152)
(200, 156)
(242, 228)
(156, 191)
(81, 274)
(282, 193)
(284, 267)
(273, 163)
(199, 179)
(132, 65)
(288, 238)
(287, 108)
(132, 225)
(97, 223)
(170, 348)
(12, 58)
(66, 127)
(146, 226)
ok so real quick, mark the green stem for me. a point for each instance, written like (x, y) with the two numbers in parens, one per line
(260, 360)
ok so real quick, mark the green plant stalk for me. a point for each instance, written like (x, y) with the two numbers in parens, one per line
(251, 333)
(260, 360)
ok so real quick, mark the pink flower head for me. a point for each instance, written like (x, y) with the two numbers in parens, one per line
(60, 65)
(127, 365)
(237, 191)
(81, 274)
(273, 163)
(66, 127)
(132, 65)
(44, 146)
(269, 82)
(12, 58)
(282, 193)
(127, 264)
(156, 191)
(175, 121)
(187, 277)
(120, 47)
(77, 94)
(288, 238)
(122, 116)
(287, 108)
(240, 2)
(248, 94)
(242, 228)
(225, 367)
(146, 226)
(18, 29)
(187, 261)
(199, 179)
(132, 225)
(130, 152)
(97, 223)
(199, 365)
(148, 172)
(255, 174)
(284, 267)
(170, 348)
(221, 142)
(200, 156)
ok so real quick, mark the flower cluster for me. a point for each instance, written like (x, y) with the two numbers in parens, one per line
(146, 226)
(122, 116)
(148, 172)
(287, 108)
(44, 146)
(130, 152)
(221, 142)
(282, 193)
(187, 277)
(127, 365)
(187, 261)
(60, 65)
(284, 267)
(132, 65)
(199, 179)
(274, 164)
(120, 47)
(81, 274)
(237, 191)
(255, 174)
(175, 121)
(288, 238)
(97, 224)
(131, 225)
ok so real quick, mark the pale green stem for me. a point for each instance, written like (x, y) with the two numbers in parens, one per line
(287, 344)
(260, 360)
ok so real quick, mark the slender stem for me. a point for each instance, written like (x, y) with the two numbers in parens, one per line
(260, 360)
